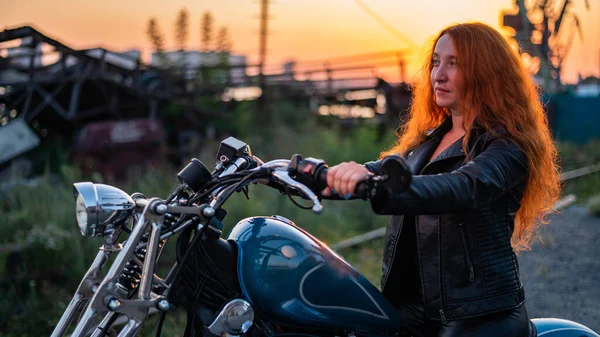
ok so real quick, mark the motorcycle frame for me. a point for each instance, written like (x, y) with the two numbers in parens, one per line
(102, 292)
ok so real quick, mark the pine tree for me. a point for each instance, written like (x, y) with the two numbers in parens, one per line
(223, 43)
(157, 40)
(181, 28)
(207, 31)
(155, 36)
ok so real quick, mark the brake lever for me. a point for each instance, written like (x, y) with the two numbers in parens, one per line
(285, 178)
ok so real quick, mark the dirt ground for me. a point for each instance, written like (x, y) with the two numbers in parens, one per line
(561, 273)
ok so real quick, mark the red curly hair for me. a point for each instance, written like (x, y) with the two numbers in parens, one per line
(496, 89)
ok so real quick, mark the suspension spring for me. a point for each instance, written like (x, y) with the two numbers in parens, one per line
(132, 273)
(169, 221)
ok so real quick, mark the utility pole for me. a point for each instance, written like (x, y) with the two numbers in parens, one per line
(264, 17)
(401, 66)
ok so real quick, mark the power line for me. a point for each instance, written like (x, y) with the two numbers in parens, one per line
(355, 58)
(351, 67)
(337, 60)
(385, 25)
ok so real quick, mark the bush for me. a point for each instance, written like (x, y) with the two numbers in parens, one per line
(39, 276)
(594, 205)
(575, 156)
(39, 279)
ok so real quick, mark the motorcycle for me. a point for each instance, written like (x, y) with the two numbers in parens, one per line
(268, 277)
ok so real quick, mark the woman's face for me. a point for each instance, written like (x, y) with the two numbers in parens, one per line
(444, 74)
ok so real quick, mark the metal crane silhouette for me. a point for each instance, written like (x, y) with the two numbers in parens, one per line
(546, 35)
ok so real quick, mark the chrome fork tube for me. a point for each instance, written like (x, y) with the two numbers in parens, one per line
(107, 287)
(84, 291)
(149, 261)
(132, 327)
(68, 315)
(145, 289)
(104, 322)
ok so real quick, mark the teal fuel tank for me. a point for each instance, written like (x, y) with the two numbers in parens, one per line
(296, 280)
(555, 327)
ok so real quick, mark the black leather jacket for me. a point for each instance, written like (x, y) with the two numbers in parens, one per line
(464, 213)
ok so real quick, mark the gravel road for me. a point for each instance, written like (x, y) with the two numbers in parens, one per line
(561, 273)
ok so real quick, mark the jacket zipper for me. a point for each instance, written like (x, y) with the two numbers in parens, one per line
(442, 314)
(469, 264)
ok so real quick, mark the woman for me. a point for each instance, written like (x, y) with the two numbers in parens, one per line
(485, 175)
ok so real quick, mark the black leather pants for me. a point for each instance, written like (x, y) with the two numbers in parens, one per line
(514, 323)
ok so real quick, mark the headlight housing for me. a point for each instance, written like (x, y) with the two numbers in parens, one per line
(99, 205)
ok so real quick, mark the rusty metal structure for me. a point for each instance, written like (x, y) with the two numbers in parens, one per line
(81, 85)
(545, 31)
(39, 73)
(59, 91)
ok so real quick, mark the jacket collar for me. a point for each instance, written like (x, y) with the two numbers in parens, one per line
(446, 125)
(439, 132)
(418, 158)
(434, 137)
(477, 130)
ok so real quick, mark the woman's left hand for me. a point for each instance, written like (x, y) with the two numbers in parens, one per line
(344, 177)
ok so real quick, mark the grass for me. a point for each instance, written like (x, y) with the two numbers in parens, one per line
(594, 205)
(38, 282)
(574, 156)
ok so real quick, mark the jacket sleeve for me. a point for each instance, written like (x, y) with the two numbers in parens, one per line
(374, 167)
(497, 169)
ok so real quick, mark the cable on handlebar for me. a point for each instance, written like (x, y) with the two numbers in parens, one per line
(176, 193)
(233, 188)
(289, 194)
(218, 181)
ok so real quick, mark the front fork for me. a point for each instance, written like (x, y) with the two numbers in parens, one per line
(103, 292)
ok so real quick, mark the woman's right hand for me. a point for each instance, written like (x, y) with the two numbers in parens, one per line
(343, 178)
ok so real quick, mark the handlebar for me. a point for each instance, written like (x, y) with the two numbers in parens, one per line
(311, 173)
(240, 162)
(303, 177)
(285, 178)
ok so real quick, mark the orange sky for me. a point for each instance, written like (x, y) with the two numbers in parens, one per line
(300, 29)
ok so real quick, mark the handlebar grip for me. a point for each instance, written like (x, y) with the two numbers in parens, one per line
(359, 192)
(361, 189)
(312, 172)
(322, 178)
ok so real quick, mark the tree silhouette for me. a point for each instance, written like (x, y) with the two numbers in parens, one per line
(207, 30)
(181, 28)
(223, 43)
(157, 40)
(155, 36)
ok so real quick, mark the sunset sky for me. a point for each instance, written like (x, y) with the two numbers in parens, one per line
(300, 29)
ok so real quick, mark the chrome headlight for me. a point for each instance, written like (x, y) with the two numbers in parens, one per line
(98, 205)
